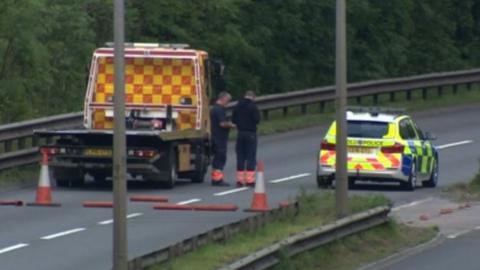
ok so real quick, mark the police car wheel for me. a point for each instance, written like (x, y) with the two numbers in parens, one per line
(412, 179)
(433, 180)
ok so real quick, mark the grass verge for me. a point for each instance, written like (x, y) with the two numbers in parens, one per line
(316, 210)
(360, 249)
(465, 191)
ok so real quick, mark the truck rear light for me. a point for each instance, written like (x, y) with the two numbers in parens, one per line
(327, 146)
(142, 153)
(397, 148)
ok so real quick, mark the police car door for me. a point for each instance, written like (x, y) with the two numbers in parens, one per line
(408, 134)
(418, 144)
(427, 152)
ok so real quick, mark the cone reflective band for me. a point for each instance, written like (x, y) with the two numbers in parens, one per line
(44, 193)
(259, 200)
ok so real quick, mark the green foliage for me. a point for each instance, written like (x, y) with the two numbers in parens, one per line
(270, 46)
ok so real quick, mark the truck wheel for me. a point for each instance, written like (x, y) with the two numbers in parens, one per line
(201, 166)
(75, 182)
(324, 182)
(99, 177)
(172, 176)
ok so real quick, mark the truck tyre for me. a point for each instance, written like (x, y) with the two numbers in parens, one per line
(324, 182)
(201, 166)
(172, 175)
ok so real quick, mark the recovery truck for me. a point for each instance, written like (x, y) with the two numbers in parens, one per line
(167, 90)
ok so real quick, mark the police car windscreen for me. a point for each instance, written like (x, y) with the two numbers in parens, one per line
(367, 129)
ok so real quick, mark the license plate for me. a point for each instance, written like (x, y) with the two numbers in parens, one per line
(360, 150)
(98, 152)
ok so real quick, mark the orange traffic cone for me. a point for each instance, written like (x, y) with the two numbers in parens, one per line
(44, 193)
(259, 201)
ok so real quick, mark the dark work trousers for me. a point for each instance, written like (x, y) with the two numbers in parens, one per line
(246, 149)
(219, 148)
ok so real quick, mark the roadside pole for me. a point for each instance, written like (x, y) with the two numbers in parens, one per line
(340, 107)
(120, 257)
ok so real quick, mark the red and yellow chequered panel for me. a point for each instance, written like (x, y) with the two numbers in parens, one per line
(148, 81)
(186, 120)
(100, 121)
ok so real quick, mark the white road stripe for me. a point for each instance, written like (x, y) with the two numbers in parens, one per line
(477, 228)
(134, 215)
(455, 235)
(14, 247)
(110, 221)
(230, 191)
(454, 144)
(188, 202)
(289, 178)
(106, 222)
(60, 234)
(414, 203)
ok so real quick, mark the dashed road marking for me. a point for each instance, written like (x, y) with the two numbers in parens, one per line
(230, 191)
(110, 221)
(477, 228)
(455, 235)
(414, 203)
(12, 248)
(189, 201)
(60, 234)
(289, 178)
(134, 215)
(454, 144)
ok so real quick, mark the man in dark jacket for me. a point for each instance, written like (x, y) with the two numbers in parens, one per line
(220, 127)
(246, 117)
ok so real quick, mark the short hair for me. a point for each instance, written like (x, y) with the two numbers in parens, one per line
(223, 94)
(250, 93)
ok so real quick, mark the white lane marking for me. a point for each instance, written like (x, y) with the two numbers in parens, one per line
(60, 234)
(105, 222)
(477, 228)
(134, 215)
(455, 235)
(110, 221)
(230, 191)
(454, 144)
(414, 203)
(289, 178)
(188, 202)
(14, 247)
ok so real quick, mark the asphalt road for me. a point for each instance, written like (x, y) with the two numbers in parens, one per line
(72, 237)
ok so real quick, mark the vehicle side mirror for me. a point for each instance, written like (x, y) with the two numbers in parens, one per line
(430, 136)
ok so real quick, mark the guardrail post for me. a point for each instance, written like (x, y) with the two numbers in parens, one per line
(409, 94)
(375, 99)
(21, 143)
(8, 146)
(285, 111)
(265, 115)
(303, 109)
(35, 141)
(359, 100)
(440, 91)
(322, 106)
(455, 89)
(392, 96)
(424, 93)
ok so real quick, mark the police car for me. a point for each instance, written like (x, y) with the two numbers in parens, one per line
(383, 146)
